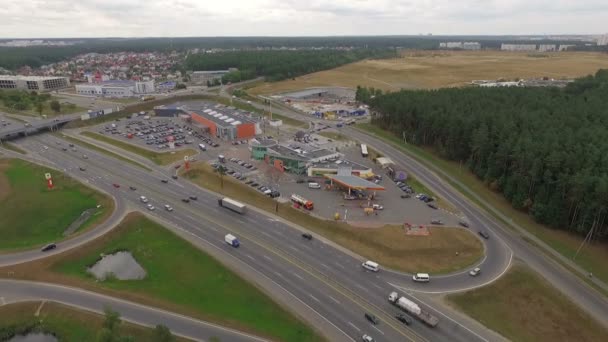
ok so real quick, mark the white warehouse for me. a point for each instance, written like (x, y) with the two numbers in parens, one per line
(116, 88)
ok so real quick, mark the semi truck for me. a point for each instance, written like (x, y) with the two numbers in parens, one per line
(232, 205)
(413, 309)
(232, 240)
(308, 205)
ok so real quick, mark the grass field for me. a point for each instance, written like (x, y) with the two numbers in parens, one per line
(388, 245)
(523, 306)
(179, 278)
(591, 257)
(163, 158)
(288, 121)
(64, 322)
(333, 135)
(435, 69)
(31, 215)
(13, 147)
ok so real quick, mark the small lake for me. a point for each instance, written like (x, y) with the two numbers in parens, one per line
(121, 264)
(34, 337)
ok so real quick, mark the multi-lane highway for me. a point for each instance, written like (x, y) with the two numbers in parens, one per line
(332, 285)
(587, 298)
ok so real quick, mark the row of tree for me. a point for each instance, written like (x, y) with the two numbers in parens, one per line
(20, 100)
(545, 149)
(279, 64)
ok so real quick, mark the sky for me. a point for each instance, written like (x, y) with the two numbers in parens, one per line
(181, 18)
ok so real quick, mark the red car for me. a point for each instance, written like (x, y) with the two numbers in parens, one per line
(116, 185)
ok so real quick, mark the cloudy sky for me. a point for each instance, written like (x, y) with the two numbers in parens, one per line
(144, 18)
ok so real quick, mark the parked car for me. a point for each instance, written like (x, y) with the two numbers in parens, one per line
(164, 180)
(168, 207)
(185, 200)
(463, 223)
(150, 207)
(116, 185)
(406, 196)
(436, 221)
(194, 198)
(174, 176)
(133, 188)
(367, 338)
(474, 272)
(432, 205)
(82, 168)
(484, 234)
(307, 236)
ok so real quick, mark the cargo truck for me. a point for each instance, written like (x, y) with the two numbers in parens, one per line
(413, 309)
(232, 240)
(232, 205)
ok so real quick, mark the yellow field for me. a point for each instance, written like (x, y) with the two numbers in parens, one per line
(436, 69)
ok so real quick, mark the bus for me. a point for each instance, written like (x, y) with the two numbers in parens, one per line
(364, 151)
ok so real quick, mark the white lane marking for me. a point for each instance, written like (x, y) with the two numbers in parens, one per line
(267, 257)
(297, 275)
(354, 326)
(339, 265)
(295, 249)
(378, 287)
(315, 298)
(334, 299)
(268, 235)
(322, 264)
(380, 331)
(247, 255)
(279, 274)
(361, 287)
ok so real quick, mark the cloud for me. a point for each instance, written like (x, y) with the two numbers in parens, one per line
(102, 18)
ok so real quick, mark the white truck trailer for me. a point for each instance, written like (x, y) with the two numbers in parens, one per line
(413, 309)
(232, 240)
(232, 205)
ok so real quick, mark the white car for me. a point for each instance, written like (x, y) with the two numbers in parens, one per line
(168, 207)
(474, 272)
(150, 207)
(367, 338)
(377, 207)
(45, 147)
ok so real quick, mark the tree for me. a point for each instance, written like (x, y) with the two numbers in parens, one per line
(39, 107)
(180, 86)
(110, 330)
(162, 334)
(221, 171)
(55, 106)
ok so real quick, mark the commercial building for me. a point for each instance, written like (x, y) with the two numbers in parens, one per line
(117, 89)
(293, 158)
(209, 75)
(603, 40)
(547, 47)
(226, 123)
(33, 83)
(461, 45)
(518, 47)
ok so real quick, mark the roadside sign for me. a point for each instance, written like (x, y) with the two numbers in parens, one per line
(47, 176)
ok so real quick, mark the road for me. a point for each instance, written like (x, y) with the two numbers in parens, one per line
(328, 281)
(14, 291)
(569, 284)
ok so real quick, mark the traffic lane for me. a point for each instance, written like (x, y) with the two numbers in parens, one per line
(133, 312)
(586, 297)
(383, 299)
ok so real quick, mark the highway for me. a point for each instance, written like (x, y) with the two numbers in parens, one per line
(581, 293)
(331, 283)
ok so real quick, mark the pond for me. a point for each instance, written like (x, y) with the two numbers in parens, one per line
(121, 265)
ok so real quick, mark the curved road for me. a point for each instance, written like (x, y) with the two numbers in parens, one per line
(328, 281)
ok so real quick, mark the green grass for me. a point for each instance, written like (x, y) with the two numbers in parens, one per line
(333, 135)
(104, 151)
(163, 158)
(181, 274)
(13, 147)
(32, 215)
(289, 121)
(387, 245)
(591, 258)
(64, 322)
(46, 109)
(522, 306)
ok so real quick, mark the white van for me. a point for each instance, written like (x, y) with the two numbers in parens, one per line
(421, 277)
(370, 265)
(202, 147)
(314, 185)
(143, 199)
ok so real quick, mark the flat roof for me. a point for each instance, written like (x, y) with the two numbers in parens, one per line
(287, 152)
(354, 182)
(264, 142)
(29, 78)
(340, 163)
(320, 153)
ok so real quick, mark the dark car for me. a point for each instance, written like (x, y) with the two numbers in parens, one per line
(174, 176)
(64, 149)
(484, 234)
(432, 205)
(164, 180)
(300, 181)
(403, 318)
(185, 200)
(194, 198)
(116, 185)
(406, 196)
(463, 223)
(82, 168)
(307, 236)
(49, 247)
(133, 188)
(373, 319)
